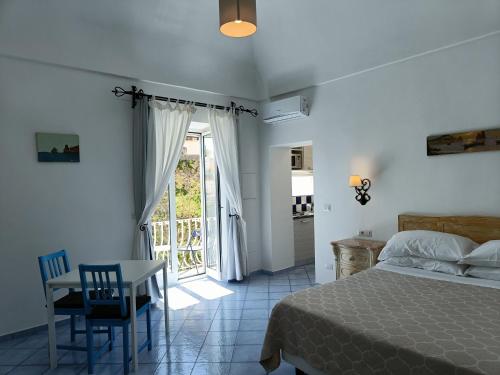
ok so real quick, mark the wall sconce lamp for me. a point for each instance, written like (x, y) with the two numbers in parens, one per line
(361, 186)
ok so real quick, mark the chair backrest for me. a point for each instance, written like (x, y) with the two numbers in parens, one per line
(53, 265)
(102, 279)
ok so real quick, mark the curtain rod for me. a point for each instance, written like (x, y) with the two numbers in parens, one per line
(137, 94)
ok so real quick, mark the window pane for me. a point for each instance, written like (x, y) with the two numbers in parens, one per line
(188, 209)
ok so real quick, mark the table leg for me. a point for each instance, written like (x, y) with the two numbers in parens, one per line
(51, 328)
(133, 323)
(165, 297)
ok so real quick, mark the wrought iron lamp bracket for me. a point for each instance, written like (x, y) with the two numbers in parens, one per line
(362, 191)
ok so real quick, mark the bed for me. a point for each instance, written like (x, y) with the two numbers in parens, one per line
(394, 320)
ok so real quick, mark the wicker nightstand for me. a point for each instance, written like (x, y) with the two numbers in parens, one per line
(354, 255)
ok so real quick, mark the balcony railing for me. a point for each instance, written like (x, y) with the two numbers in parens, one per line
(185, 227)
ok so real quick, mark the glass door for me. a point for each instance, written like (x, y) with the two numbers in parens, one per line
(189, 208)
(211, 214)
(186, 222)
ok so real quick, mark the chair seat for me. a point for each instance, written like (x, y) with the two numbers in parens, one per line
(74, 300)
(113, 311)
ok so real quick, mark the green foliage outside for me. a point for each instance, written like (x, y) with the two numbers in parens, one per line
(188, 189)
(187, 192)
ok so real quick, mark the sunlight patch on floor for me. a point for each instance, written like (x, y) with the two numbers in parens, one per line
(207, 289)
(178, 299)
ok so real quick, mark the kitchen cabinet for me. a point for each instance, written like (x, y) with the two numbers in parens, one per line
(303, 230)
(307, 158)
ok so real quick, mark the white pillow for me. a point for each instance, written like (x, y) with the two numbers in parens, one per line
(490, 273)
(486, 255)
(452, 268)
(428, 244)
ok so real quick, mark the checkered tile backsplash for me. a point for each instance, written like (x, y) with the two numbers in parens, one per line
(303, 203)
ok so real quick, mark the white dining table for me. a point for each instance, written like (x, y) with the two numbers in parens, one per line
(134, 273)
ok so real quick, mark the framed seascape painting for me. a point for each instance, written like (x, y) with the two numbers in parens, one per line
(464, 142)
(53, 147)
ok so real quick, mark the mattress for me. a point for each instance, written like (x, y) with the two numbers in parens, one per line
(386, 321)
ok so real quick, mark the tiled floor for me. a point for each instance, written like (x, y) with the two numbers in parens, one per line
(216, 328)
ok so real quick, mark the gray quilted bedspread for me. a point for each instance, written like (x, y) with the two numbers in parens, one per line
(380, 322)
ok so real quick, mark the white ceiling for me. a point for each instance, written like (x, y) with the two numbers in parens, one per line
(298, 43)
(304, 43)
(166, 41)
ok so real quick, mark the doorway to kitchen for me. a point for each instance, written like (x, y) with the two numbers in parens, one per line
(289, 228)
(302, 204)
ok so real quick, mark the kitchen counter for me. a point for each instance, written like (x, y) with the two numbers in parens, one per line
(308, 215)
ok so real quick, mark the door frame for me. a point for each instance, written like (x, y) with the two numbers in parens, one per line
(217, 273)
(173, 276)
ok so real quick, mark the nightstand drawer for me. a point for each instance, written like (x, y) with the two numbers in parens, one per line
(346, 271)
(356, 258)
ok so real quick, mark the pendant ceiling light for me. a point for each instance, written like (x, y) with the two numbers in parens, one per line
(238, 18)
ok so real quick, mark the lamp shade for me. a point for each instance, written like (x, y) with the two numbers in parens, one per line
(355, 181)
(238, 18)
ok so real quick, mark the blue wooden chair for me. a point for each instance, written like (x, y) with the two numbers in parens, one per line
(54, 265)
(102, 309)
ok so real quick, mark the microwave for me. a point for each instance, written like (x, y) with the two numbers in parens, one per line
(296, 159)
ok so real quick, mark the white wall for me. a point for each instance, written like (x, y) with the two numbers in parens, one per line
(302, 184)
(375, 124)
(248, 137)
(86, 208)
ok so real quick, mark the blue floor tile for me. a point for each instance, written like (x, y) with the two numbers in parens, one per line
(106, 369)
(5, 369)
(191, 338)
(250, 337)
(247, 353)
(35, 341)
(253, 325)
(221, 338)
(246, 369)
(15, 356)
(225, 325)
(255, 314)
(280, 288)
(13, 342)
(228, 314)
(67, 370)
(29, 370)
(185, 353)
(211, 369)
(259, 304)
(211, 353)
(174, 369)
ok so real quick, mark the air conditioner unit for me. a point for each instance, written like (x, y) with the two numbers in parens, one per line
(285, 110)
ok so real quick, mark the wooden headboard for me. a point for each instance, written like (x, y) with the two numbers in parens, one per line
(478, 228)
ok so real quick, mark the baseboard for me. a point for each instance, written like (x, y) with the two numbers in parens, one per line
(32, 330)
(272, 273)
(304, 262)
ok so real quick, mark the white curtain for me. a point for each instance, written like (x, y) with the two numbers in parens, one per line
(167, 129)
(224, 133)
